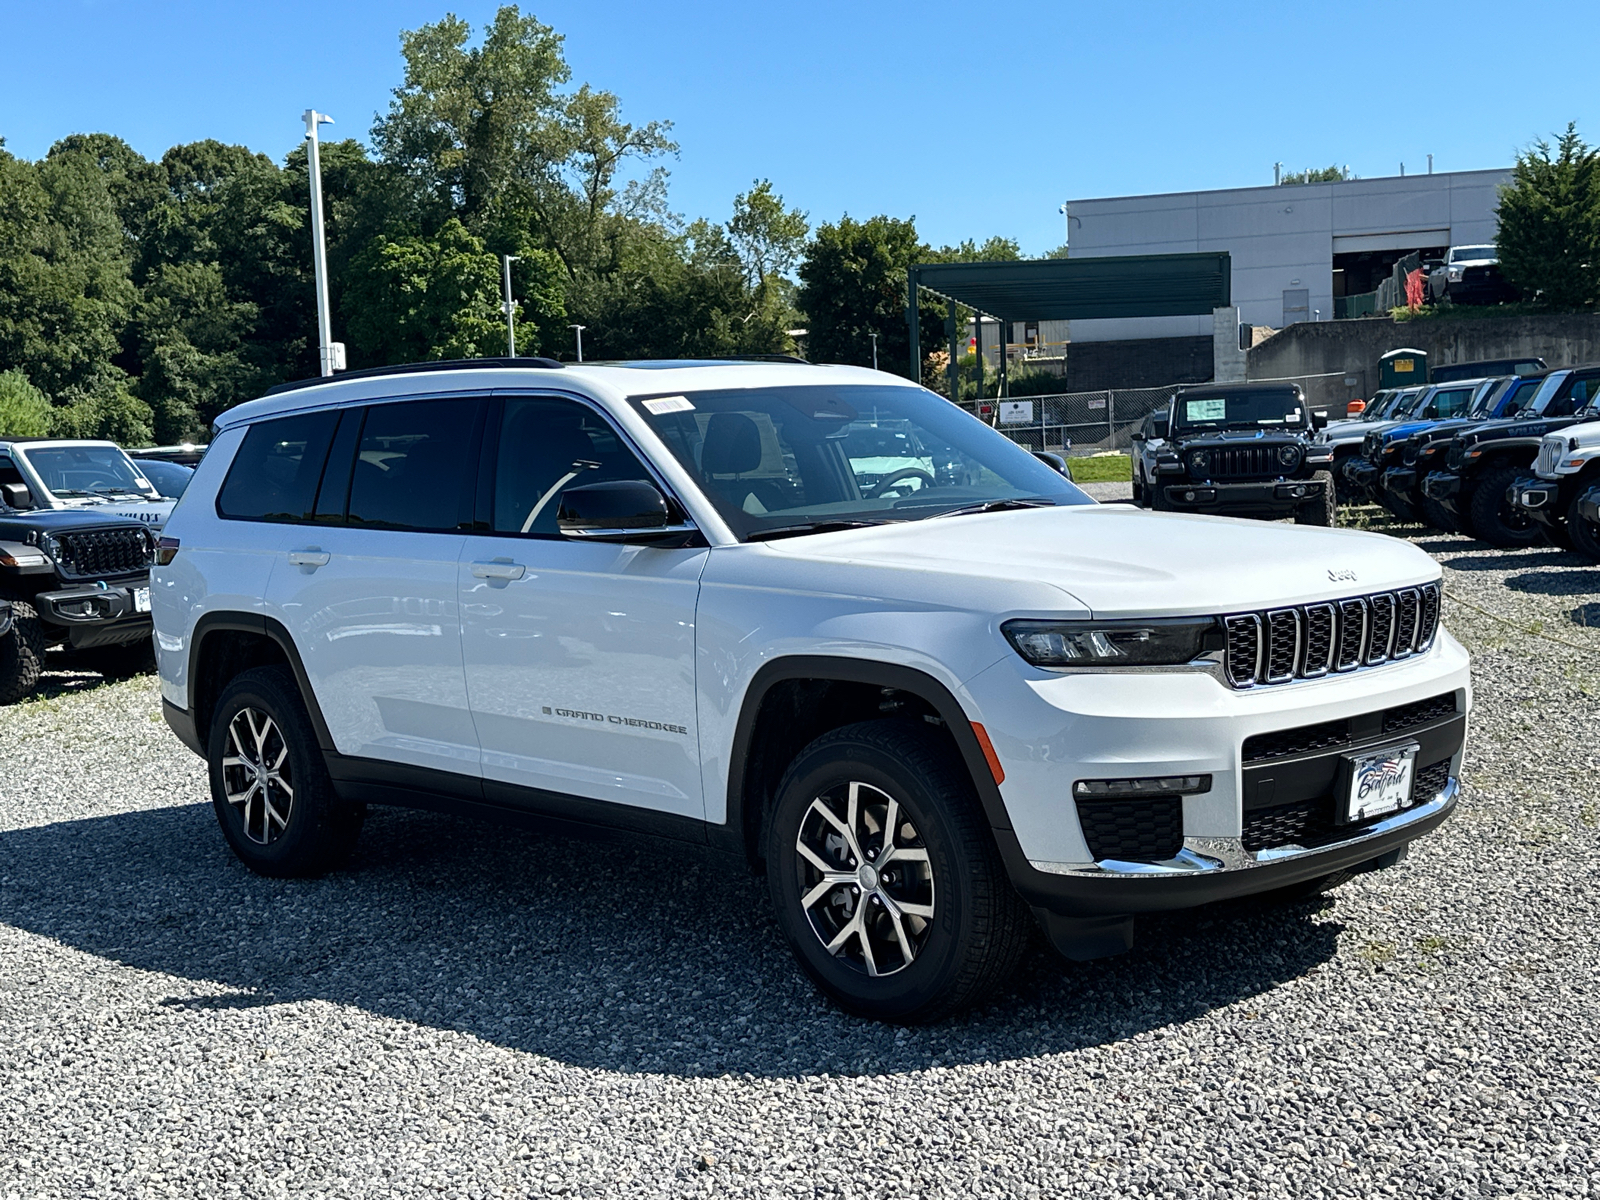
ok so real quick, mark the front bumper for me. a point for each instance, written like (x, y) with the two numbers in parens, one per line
(95, 614)
(1541, 499)
(1445, 487)
(1361, 473)
(1277, 497)
(1401, 482)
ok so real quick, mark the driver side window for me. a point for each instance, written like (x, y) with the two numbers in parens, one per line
(547, 445)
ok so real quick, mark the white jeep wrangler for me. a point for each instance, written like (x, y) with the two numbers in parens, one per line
(936, 695)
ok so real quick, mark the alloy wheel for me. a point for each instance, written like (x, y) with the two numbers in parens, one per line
(865, 879)
(256, 775)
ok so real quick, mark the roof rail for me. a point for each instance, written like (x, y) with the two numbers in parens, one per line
(451, 364)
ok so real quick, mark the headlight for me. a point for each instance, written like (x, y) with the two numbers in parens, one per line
(1453, 274)
(1288, 455)
(1166, 642)
(1199, 462)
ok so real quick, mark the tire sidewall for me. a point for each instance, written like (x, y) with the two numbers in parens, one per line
(1488, 503)
(817, 771)
(21, 654)
(1585, 537)
(297, 850)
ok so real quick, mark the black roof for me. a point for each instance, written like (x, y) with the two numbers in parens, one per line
(1233, 389)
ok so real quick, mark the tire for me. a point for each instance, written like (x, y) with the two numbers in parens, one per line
(21, 654)
(121, 662)
(1437, 515)
(1321, 511)
(261, 717)
(969, 929)
(1585, 537)
(1138, 493)
(1494, 520)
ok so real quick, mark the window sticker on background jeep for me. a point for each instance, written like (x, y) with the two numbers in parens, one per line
(1206, 410)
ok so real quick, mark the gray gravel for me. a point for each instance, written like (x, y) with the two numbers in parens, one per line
(471, 1013)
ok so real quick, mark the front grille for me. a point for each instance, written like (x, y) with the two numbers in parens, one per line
(1329, 735)
(1372, 447)
(1455, 456)
(1310, 823)
(1550, 451)
(1244, 462)
(96, 553)
(1137, 829)
(1412, 452)
(1301, 642)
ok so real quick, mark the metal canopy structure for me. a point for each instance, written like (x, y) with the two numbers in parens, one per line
(1142, 285)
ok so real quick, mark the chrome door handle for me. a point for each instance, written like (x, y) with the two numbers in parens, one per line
(500, 568)
(309, 558)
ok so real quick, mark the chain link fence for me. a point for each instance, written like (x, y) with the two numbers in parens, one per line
(1100, 421)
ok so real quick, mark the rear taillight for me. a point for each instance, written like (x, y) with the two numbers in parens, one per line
(166, 551)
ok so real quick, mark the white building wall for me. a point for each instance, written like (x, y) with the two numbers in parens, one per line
(1280, 238)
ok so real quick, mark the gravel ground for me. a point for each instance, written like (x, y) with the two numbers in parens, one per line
(467, 1013)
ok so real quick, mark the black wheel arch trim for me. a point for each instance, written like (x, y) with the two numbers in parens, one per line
(851, 670)
(269, 627)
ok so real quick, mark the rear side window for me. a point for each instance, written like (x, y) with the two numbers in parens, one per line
(274, 475)
(416, 465)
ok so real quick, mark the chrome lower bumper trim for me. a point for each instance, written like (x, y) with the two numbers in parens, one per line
(1206, 855)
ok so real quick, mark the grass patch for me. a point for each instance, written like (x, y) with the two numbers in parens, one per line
(1102, 468)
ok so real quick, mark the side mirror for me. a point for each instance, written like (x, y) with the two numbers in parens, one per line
(621, 510)
(1136, 436)
(1319, 418)
(17, 495)
(1161, 428)
(1054, 461)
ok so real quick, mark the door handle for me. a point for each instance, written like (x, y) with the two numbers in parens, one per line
(500, 568)
(309, 558)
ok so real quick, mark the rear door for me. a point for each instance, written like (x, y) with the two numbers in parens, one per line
(367, 585)
(579, 655)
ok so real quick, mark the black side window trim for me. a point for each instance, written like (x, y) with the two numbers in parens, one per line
(484, 518)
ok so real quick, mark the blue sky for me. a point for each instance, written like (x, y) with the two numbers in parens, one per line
(977, 119)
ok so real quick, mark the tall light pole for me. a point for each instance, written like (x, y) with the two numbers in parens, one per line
(874, 338)
(578, 332)
(319, 253)
(511, 310)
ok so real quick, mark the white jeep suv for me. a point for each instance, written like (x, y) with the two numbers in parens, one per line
(932, 701)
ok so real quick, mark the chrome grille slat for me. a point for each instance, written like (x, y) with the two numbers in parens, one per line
(1311, 640)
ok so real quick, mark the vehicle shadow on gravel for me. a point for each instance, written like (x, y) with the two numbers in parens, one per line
(609, 955)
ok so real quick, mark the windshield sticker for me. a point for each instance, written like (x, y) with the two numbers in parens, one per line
(663, 405)
(1206, 410)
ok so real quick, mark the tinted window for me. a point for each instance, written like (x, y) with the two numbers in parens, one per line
(9, 472)
(86, 470)
(274, 475)
(546, 445)
(171, 479)
(415, 467)
(1451, 402)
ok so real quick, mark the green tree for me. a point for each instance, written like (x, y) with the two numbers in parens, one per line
(1549, 222)
(1333, 174)
(411, 299)
(853, 284)
(25, 411)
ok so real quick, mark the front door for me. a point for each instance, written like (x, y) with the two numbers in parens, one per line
(368, 589)
(579, 656)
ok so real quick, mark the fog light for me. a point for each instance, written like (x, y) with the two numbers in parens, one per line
(1189, 496)
(1299, 490)
(1161, 785)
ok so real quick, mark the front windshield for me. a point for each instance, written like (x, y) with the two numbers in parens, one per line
(1522, 394)
(74, 472)
(1471, 253)
(778, 458)
(1240, 410)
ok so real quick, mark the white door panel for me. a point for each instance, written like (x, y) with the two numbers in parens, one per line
(580, 668)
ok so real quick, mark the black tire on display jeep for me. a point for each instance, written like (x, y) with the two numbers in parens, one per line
(1494, 520)
(1437, 515)
(1323, 509)
(885, 876)
(269, 783)
(1585, 538)
(21, 654)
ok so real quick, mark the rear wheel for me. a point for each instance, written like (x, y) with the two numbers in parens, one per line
(21, 654)
(1584, 536)
(1494, 518)
(1323, 509)
(269, 783)
(885, 878)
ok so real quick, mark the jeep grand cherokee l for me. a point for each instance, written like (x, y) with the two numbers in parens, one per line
(933, 706)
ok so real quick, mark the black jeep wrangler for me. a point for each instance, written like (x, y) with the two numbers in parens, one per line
(1240, 450)
(75, 579)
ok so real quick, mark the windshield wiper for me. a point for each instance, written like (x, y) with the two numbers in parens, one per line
(120, 492)
(988, 506)
(782, 531)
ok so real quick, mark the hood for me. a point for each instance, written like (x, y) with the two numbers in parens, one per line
(1513, 427)
(1120, 561)
(150, 513)
(15, 523)
(1579, 437)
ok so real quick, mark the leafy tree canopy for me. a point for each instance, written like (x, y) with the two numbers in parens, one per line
(1549, 215)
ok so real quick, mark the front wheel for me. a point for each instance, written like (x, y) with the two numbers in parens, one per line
(21, 654)
(1494, 519)
(1585, 537)
(1323, 509)
(885, 877)
(269, 783)
(1437, 515)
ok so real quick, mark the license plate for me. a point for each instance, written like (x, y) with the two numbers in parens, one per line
(1380, 782)
(141, 599)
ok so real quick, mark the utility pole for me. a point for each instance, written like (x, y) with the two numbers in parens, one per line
(874, 338)
(511, 309)
(578, 331)
(1277, 174)
(330, 352)
(1430, 164)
